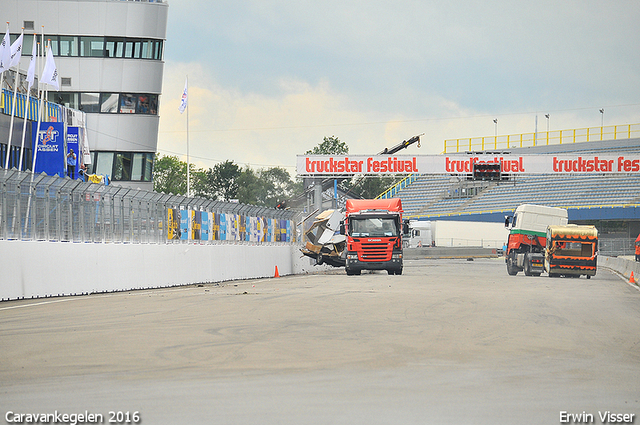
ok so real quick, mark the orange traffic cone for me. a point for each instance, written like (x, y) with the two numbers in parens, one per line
(632, 279)
(277, 274)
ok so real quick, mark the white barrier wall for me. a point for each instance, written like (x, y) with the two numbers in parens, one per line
(41, 269)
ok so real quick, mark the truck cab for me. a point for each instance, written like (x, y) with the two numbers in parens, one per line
(528, 237)
(373, 230)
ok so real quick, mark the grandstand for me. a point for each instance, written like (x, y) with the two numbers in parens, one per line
(588, 198)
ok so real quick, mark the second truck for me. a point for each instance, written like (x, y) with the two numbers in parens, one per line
(541, 240)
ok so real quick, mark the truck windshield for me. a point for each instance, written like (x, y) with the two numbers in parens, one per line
(367, 227)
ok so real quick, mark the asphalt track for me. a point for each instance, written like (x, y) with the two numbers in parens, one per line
(449, 341)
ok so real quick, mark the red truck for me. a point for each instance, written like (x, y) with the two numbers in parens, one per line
(373, 230)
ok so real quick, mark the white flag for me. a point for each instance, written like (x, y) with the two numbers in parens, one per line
(16, 52)
(5, 54)
(31, 73)
(183, 102)
(50, 72)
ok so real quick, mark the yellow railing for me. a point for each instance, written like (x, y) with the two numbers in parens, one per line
(556, 137)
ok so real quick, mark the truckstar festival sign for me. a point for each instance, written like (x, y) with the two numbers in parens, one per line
(331, 165)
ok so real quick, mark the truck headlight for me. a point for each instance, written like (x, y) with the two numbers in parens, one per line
(397, 256)
(352, 256)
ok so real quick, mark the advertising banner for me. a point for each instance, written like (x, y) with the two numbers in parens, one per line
(73, 137)
(196, 224)
(184, 225)
(50, 152)
(173, 224)
(326, 165)
(204, 230)
(222, 220)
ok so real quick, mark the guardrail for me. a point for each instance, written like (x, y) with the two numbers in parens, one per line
(556, 137)
(49, 208)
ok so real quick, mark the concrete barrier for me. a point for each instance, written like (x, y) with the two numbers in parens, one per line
(622, 266)
(42, 269)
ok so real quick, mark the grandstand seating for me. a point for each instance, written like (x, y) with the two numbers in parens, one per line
(435, 196)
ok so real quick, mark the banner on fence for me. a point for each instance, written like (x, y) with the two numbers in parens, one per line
(50, 157)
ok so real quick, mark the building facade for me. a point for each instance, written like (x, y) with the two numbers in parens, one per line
(109, 55)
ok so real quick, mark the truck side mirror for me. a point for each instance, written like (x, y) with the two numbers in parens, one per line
(506, 221)
(342, 229)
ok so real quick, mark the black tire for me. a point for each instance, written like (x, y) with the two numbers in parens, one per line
(399, 271)
(390, 271)
(527, 267)
(512, 269)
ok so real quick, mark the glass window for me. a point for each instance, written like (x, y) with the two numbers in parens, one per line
(128, 103)
(109, 103)
(90, 102)
(122, 166)
(143, 104)
(114, 47)
(27, 44)
(148, 167)
(68, 46)
(104, 163)
(138, 166)
(153, 104)
(70, 100)
(92, 46)
(137, 48)
(157, 50)
(128, 49)
(54, 45)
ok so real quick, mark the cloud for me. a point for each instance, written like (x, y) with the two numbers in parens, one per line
(270, 79)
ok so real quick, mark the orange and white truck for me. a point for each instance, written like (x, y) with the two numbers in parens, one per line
(541, 240)
(528, 237)
(373, 230)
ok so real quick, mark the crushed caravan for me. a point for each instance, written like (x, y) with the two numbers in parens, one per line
(325, 244)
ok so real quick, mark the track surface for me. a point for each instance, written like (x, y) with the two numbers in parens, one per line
(449, 341)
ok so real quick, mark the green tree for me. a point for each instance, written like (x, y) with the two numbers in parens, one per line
(370, 187)
(224, 180)
(170, 175)
(330, 146)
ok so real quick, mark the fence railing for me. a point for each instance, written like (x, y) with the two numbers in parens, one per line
(556, 137)
(616, 247)
(49, 208)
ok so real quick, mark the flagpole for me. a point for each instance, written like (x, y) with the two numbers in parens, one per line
(40, 100)
(30, 79)
(18, 53)
(188, 163)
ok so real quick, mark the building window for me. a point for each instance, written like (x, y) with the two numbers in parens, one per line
(90, 102)
(92, 47)
(68, 46)
(123, 166)
(128, 103)
(115, 47)
(108, 47)
(109, 103)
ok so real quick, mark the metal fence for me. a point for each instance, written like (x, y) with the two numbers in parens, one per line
(616, 247)
(49, 208)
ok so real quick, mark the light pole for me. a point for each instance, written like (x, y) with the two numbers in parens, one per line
(547, 117)
(495, 121)
(602, 117)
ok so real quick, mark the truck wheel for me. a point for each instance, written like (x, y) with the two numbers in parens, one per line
(399, 271)
(512, 269)
(350, 272)
(527, 267)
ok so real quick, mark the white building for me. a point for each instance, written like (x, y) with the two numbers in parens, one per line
(109, 55)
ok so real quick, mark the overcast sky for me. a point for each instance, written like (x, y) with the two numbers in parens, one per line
(269, 79)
